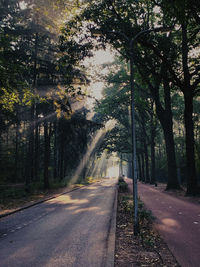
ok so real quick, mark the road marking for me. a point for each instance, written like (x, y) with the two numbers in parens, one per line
(195, 222)
(170, 207)
(180, 212)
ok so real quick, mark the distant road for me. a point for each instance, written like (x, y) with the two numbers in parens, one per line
(177, 220)
(70, 230)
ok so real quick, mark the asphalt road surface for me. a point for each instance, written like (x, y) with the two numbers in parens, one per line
(70, 230)
(177, 220)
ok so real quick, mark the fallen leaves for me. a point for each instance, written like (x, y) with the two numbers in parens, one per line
(146, 250)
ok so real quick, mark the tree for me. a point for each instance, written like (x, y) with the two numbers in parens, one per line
(116, 96)
(185, 14)
(130, 18)
(38, 77)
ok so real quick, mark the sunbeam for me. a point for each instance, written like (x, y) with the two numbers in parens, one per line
(97, 138)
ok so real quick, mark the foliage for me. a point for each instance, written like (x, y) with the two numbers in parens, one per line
(42, 75)
(123, 187)
(163, 56)
(41, 80)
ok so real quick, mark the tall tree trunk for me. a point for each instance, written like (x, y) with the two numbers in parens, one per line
(31, 143)
(36, 156)
(7, 138)
(30, 152)
(153, 162)
(130, 174)
(61, 161)
(147, 178)
(61, 150)
(171, 159)
(166, 120)
(46, 155)
(24, 154)
(152, 144)
(55, 152)
(167, 125)
(192, 185)
(142, 166)
(65, 164)
(16, 173)
(139, 167)
(30, 158)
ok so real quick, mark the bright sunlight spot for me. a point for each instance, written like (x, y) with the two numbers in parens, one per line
(113, 171)
(96, 70)
(98, 138)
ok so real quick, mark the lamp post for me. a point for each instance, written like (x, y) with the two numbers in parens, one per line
(134, 156)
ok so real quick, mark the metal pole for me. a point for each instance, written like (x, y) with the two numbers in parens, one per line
(134, 157)
(134, 162)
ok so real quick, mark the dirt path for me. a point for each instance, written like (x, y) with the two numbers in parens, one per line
(178, 222)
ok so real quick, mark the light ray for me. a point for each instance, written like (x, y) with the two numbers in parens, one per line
(98, 138)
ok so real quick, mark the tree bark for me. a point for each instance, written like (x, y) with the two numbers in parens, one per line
(139, 167)
(171, 159)
(55, 152)
(46, 155)
(30, 153)
(146, 154)
(16, 173)
(192, 185)
(166, 119)
(61, 150)
(36, 156)
(142, 167)
(153, 162)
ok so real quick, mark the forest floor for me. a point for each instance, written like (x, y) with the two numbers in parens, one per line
(10, 204)
(181, 193)
(145, 249)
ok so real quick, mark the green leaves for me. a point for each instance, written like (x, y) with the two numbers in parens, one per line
(8, 99)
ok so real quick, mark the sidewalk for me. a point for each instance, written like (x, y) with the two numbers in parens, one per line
(177, 220)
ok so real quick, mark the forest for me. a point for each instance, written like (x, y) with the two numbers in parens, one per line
(45, 127)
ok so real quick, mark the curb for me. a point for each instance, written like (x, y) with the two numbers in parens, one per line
(110, 256)
(38, 202)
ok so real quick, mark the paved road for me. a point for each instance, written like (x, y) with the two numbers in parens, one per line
(70, 230)
(177, 220)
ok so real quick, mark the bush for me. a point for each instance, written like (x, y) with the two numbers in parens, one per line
(123, 187)
(121, 180)
(144, 214)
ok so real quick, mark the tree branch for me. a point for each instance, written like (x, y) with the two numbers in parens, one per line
(165, 61)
